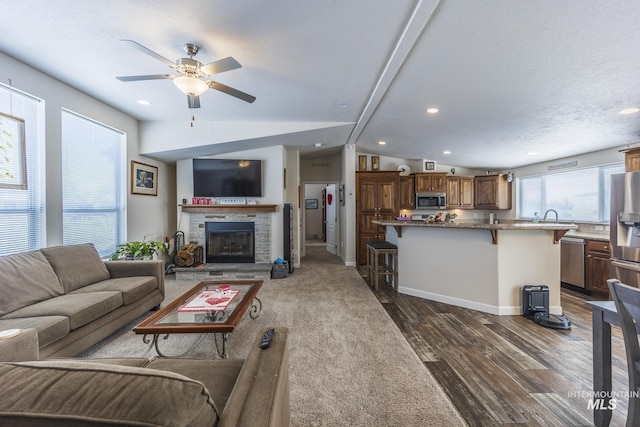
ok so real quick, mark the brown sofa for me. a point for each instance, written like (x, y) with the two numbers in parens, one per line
(161, 392)
(72, 298)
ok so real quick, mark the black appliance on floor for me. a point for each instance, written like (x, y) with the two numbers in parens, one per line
(535, 306)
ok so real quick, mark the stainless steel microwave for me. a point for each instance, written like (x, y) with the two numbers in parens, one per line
(431, 200)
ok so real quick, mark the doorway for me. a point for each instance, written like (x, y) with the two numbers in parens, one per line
(321, 216)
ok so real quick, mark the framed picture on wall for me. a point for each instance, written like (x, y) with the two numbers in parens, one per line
(13, 159)
(375, 163)
(362, 163)
(144, 179)
(311, 203)
(429, 166)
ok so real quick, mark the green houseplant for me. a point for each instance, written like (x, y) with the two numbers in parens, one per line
(138, 250)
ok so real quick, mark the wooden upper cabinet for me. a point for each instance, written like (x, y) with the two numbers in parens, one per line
(492, 192)
(632, 160)
(407, 192)
(460, 192)
(429, 182)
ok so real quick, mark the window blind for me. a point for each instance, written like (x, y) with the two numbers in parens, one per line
(93, 189)
(22, 212)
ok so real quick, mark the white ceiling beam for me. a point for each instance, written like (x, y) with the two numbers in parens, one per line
(422, 14)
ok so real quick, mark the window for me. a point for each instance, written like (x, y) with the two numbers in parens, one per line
(93, 189)
(22, 212)
(578, 195)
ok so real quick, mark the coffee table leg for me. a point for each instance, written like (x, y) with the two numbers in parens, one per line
(154, 342)
(256, 308)
(223, 354)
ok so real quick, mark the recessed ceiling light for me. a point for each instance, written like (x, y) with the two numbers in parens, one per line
(432, 110)
(342, 104)
(531, 153)
(318, 144)
(143, 102)
(630, 110)
(446, 152)
(382, 142)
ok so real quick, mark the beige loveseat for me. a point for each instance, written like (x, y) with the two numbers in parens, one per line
(253, 392)
(72, 298)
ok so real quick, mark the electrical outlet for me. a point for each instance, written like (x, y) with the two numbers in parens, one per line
(342, 244)
(599, 228)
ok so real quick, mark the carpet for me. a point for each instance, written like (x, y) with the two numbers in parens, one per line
(349, 363)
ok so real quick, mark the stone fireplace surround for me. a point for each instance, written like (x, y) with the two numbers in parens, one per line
(261, 270)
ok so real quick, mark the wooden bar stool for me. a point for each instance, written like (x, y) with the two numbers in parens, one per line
(388, 270)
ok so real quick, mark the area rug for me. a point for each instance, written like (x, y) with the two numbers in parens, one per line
(349, 363)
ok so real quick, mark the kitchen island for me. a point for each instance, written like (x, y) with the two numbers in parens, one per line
(477, 265)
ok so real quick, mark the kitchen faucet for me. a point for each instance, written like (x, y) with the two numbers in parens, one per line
(544, 218)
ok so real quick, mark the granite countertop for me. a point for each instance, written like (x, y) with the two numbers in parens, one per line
(482, 226)
(590, 236)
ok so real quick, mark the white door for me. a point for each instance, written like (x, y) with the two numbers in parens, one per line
(330, 202)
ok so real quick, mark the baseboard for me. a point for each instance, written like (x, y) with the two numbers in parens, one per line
(350, 264)
(473, 305)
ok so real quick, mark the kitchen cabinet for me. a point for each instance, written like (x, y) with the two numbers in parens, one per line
(597, 264)
(376, 199)
(460, 192)
(492, 192)
(632, 160)
(407, 192)
(431, 182)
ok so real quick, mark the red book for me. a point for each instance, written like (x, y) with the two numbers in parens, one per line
(209, 301)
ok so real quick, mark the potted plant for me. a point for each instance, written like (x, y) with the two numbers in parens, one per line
(138, 250)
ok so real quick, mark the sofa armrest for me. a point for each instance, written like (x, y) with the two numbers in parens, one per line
(260, 396)
(20, 348)
(138, 268)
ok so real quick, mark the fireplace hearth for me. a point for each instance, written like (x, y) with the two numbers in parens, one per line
(230, 242)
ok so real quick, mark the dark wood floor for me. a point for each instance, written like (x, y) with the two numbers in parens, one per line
(507, 370)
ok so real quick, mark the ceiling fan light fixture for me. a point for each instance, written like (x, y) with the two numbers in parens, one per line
(191, 85)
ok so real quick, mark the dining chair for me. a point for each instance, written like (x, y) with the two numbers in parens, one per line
(627, 300)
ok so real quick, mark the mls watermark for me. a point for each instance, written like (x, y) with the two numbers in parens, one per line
(603, 400)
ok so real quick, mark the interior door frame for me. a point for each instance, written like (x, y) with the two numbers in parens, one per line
(303, 223)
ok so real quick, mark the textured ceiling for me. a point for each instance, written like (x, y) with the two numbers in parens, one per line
(509, 77)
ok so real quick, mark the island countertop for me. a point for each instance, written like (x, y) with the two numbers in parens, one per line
(559, 229)
(478, 265)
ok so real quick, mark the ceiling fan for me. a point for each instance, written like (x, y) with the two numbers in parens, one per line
(192, 74)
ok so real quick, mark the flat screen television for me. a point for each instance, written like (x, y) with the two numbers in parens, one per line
(227, 178)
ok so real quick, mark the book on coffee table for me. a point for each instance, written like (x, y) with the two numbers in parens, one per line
(210, 301)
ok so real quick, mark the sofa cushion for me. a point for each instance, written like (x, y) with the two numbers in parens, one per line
(53, 393)
(79, 308)
(76, 265)
(218, 376)
(50, 328)
(26, 278)
(132, 288)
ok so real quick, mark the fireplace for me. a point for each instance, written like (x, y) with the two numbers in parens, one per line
(230, 242)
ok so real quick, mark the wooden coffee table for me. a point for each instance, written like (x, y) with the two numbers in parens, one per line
(172, 320)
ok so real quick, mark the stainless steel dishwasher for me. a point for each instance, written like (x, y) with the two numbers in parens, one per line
(572, 261)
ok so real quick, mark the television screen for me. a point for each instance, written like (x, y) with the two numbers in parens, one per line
(227, 178)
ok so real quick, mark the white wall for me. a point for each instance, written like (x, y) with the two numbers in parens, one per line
(273, 161)
(145, 214)
(313, 217)
(291, 195)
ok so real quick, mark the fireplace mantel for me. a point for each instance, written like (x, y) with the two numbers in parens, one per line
(228, 208)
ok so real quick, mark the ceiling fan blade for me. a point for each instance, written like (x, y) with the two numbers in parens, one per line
(231, 91)
(193, 100)
(151, 53)
(220, 66)
(145, 77)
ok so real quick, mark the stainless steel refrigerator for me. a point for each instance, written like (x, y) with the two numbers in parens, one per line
(625, 228)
